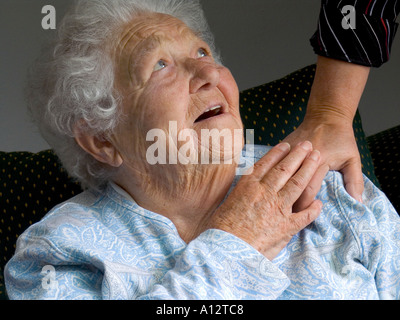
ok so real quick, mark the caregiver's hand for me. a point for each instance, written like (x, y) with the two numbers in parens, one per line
(339, 152)
(259, 209)
(328, 124)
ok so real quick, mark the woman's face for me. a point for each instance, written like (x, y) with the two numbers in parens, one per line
(169, 80)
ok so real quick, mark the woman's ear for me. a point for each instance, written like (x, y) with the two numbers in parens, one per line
(98, 147)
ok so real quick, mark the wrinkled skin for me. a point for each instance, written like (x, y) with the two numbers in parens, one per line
(166, 73)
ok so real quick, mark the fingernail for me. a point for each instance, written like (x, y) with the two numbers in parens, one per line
(284, 146)
(315, 155)
(306, 145)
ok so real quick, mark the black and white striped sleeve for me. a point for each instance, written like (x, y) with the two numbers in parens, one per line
(357, 31)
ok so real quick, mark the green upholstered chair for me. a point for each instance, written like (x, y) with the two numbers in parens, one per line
(385, 152)
(33, 183)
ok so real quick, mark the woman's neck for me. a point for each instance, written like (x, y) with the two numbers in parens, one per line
(187, 196)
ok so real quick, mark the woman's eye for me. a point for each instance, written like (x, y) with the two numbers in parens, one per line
(202, 53)
(161, 64)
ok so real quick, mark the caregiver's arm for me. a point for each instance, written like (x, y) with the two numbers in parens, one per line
(339, 85)
(328, 124)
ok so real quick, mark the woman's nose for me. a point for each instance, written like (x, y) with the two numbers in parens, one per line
(205, 76)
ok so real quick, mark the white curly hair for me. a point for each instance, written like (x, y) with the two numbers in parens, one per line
(73, 80)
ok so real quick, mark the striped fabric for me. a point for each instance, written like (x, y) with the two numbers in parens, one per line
(363, 36)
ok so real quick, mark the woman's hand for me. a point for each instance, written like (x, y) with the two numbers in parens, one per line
(259, 209)
(339, 152)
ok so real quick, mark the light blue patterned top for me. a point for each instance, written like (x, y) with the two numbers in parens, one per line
(104, 246)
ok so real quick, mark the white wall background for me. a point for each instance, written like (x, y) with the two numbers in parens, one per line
(260, 41)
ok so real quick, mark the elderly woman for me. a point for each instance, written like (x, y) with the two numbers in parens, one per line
(188, 229)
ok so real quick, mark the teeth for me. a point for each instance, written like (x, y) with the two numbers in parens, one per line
(213, 108)
(209, 113)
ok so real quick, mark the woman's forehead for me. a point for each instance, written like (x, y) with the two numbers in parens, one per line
(153, 27)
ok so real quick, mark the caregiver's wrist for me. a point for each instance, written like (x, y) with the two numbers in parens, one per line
(328, 114)
(336, 91)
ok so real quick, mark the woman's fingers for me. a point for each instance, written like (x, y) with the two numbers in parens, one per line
(278, 176)
(309, 194)
(304, 218)
(300, 181)
(271, 159)
(259, 209)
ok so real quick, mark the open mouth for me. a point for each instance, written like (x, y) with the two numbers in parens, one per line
(210, 113)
